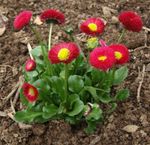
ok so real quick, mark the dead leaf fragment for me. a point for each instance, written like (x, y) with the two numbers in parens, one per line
(130, 128)
(2, 30)
(38, 21)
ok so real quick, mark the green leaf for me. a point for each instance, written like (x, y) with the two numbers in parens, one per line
(49, 111)
(41, 84)
(92, 91)
(122, 95)
(27, 115)
(91, 127)
(88, 81)
(57, 85)
(113, 107)
(71, 99)
(37, 51)
(69, 30)
(75, 83)
(97, 75)
(105, 98)
(32, 74)
(95, 114)
(23, 99)
(120, 75)
(77, 106)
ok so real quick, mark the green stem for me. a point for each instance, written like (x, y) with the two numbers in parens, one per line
(44, 52)
(113, 75)
(66, 82)
(37, 34)
(85, 59)
(121, 36)
(50, 36)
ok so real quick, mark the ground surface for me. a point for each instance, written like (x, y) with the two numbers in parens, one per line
(13, 53)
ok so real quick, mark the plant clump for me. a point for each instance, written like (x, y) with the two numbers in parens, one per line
(71, 83)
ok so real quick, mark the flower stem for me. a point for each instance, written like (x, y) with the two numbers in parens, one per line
(50, 36)
(44, 52)
(66, 82)
(37, 34)
(76, 41)
(121, 36)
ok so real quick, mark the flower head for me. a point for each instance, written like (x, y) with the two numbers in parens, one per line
(102, 58)
(63, 52)
(92, 26)
(121, 53)
(30, 65)
(22, 20)
(52, 16)
(131, 21)
(30, 92)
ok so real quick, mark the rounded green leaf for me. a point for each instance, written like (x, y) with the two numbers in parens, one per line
(120, 75)
(77, 107)
(122, 95)
(49, 111)
(75, 83)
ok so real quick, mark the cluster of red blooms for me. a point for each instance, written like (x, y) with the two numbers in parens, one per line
(103, 58)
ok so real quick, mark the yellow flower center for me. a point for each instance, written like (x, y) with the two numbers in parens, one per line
(92, 27)
(63, 54)
(31, 92)
(102, 58)
(118, 55)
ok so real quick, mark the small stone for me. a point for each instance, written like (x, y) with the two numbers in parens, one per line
(148, 67)
(106, 12)
(15, 135)
(143, 133)
(114, 20)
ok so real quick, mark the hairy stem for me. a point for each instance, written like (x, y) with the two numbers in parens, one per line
(66, 82)
(50, 36)
(121, 36)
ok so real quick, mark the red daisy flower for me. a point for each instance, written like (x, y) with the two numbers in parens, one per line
(92, 26)
(121, 53)
(53, 16)
(63, 52)
(22, 20)
(102, 58)
(30, 65)
(131, 21)
(30, 92)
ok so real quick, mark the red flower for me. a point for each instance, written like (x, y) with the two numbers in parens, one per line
(22, 19)
(30, 65)
(54, 16)
(92, 26)
(30, 92)
(121, 53)
(63, 52)
(131, 21)
(102, 58)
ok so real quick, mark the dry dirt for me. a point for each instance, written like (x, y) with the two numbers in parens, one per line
(13, 53)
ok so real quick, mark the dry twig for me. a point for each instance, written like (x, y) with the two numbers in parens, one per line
(140, 83)
(12, 92)
(147, 29)
(18, 90)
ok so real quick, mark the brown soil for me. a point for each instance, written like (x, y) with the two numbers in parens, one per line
(13, 52)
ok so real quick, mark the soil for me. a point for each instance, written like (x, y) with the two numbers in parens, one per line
(13, 53)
